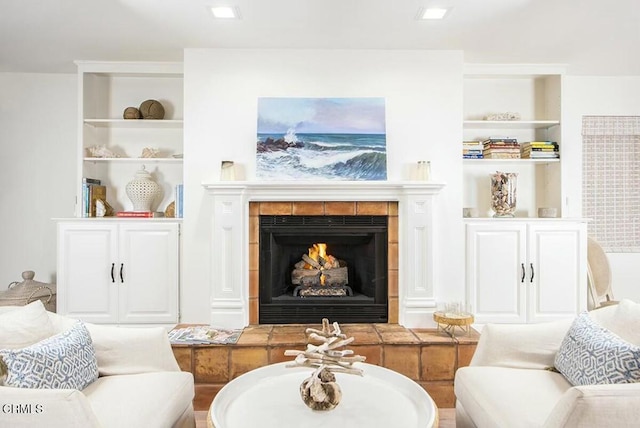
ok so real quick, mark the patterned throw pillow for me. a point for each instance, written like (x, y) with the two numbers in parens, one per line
(64, 361)
(591, 355)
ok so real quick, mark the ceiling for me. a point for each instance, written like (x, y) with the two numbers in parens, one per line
(593, 37)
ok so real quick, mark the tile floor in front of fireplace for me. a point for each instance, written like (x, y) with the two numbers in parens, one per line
(427, 356)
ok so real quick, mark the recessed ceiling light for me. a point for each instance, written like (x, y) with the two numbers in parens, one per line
(225, 12)
(434, 13)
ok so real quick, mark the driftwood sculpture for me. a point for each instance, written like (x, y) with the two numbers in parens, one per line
(320, 390)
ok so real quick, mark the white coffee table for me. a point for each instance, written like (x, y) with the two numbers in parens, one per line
(269, 397)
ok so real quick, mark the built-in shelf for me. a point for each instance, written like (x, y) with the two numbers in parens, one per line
(135, 123)
(135, 160)
(510, 124)
(520, 161)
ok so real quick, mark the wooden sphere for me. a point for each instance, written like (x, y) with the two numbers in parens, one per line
(152, 109)
(131, 113)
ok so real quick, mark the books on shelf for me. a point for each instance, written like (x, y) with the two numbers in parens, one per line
(179, 201)
(140, 214)
(502, 155)
(540, 150)
(92, 190)
(501, 148)
(472, 150)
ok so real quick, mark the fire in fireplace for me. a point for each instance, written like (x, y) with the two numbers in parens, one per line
(314, 267)
(320, 274)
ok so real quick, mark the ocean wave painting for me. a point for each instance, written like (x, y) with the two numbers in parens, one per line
(321, 138)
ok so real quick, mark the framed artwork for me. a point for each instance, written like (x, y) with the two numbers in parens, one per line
(321, 139)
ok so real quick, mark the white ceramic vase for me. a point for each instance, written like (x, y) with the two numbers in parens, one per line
(142, 190)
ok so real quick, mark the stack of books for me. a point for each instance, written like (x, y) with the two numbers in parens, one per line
(472, 150)
(501, 148)
(92, 190)
(539, 150)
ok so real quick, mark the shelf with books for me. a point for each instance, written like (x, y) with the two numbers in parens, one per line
(515, 161)
(532, 94)
(111, 148)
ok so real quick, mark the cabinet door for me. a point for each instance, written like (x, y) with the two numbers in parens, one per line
(86, 282)
(495, 257)
(148, 278)
(556, 276)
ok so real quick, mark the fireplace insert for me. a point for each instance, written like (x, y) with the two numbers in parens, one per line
(357, 243)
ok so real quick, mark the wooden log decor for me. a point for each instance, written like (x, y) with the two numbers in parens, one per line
(320, 269)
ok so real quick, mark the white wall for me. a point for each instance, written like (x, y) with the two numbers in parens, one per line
(423, 92)
(604, 96)
(37, 170)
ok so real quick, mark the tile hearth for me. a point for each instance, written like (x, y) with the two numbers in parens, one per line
(427, 356)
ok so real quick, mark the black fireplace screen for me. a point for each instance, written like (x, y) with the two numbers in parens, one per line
(358, 243)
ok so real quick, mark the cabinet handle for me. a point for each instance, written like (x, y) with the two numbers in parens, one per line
(113, 279)
(121, 266)
(532, 273)
(522, 279)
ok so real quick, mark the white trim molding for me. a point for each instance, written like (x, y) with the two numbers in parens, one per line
(230, 244)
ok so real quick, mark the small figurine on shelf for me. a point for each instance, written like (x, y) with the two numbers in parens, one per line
(150, 152)
(103, 209)
(101, 151)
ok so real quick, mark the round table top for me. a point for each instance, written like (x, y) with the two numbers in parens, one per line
(269, 397)
(461, 319)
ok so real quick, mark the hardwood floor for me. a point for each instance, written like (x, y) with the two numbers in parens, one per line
(447, 418)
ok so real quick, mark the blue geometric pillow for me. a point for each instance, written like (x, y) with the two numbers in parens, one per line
(64, 361)
(591, 355)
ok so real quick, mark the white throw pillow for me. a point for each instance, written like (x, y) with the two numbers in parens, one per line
(626, 321)
(24, 326)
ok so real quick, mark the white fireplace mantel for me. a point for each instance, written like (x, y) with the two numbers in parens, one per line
(229, 243)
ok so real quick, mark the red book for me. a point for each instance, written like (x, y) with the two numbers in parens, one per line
(145, 214)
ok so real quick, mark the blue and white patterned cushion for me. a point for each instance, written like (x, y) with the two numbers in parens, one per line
(64, 361)
(590, 355)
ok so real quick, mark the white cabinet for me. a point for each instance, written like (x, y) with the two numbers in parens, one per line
(534, 92)
(105, 90)
(118, 271)
(525, 270)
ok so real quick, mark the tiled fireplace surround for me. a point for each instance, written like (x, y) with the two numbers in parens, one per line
(407, 344)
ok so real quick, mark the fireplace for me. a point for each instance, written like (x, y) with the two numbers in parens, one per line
(236, 207)
(359, 243)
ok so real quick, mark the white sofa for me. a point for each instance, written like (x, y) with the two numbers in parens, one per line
(509, 383)
(139, 383)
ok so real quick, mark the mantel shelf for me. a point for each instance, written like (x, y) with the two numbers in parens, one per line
(324, 190)
(510, 124)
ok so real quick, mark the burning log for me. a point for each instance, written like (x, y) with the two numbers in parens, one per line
(319, 269)
(311, 262)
